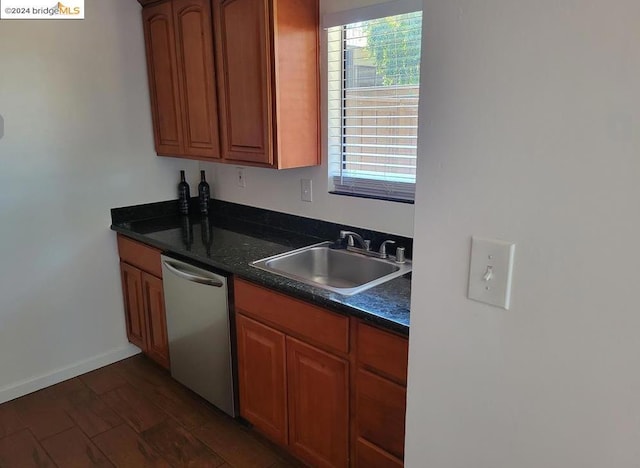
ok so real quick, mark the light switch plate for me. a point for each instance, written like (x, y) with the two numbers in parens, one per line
(306, 190)
(490, 271)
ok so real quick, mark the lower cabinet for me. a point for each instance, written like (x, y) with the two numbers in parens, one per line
(369, 455)
(144, 299)
(380, 397)
(318, 385)
(330, 389)
(156, 317)
(262, 378)
(380, 406)
(133, 307)
(292, 389)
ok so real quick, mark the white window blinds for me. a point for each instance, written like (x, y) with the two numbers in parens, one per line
(373, 92)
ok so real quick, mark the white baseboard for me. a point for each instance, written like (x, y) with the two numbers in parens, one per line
(16, 390)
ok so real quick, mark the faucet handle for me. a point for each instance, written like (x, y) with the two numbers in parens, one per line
(383, 248)
(367, 244)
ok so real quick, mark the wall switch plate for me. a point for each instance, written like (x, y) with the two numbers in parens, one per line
(490, 271)
(240, 177)
(306, 192)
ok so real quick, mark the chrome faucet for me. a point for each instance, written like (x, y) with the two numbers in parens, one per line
(383, 248)
(350, 235)
(365, 246)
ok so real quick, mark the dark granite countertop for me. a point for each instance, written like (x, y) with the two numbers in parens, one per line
(231, 244)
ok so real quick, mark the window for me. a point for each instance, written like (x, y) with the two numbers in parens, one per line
(373, 91)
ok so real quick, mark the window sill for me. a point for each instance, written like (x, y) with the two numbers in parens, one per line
(358, 195)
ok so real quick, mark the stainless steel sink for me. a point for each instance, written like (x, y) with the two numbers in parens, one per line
(340, 271)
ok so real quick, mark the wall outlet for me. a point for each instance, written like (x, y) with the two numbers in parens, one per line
(306, 190)
(240, 177)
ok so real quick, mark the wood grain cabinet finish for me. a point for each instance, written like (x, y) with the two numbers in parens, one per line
(261, 377)
(330, 403)
(133, 305)
(297, 318)
(156, 318)
(370, 456)
(288, 375)
(318, 405)
(383, 352)
(380, 406)
(379, 397)
(143, 294)
(180, 66)
(268, 81)
(163, 78)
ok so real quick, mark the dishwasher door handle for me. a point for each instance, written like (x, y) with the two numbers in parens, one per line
(173, 268)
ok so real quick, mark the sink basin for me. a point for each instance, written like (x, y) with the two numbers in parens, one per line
(335, 270)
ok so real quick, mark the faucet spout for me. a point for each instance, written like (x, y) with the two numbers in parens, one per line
(350, 235)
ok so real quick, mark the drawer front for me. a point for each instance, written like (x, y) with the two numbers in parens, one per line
(296, 317)
(383, 351)
(142, 256)
(380, 409)
(370, 456)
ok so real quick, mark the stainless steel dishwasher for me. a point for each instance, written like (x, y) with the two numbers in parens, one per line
(198, 327)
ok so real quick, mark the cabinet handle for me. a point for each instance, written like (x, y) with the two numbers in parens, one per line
(191, 277)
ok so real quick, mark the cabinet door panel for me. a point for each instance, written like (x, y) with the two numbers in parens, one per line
(318, 405)
(244, 79)
(192, 19)
(163, 78)
(133, 305)
(370, 456)
(261, 378)
(157, 340)
(380, 406)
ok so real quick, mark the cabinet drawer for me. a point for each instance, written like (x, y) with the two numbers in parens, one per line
(370, 456)
(381, 408)
(296, 317)
(142, 256)
(383, 351)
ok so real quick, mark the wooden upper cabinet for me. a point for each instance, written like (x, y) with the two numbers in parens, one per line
(244, 79)
(268, 81)
(163, 78)
(180, 65)
(196, 77)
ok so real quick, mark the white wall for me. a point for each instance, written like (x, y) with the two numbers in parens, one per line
(77, 142)
(280, 190)
(529, 133)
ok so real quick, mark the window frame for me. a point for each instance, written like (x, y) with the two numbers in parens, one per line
(339, 182)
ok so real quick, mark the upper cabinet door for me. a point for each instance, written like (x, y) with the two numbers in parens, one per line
(243, 44)
(163, 78)
(194, 44)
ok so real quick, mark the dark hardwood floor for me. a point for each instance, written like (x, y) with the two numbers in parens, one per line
(128, 414)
